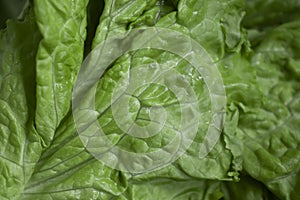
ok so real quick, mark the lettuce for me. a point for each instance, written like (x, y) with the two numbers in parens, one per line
(254, 46)
(20, 142)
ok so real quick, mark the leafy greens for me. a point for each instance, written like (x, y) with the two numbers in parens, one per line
(256, 47)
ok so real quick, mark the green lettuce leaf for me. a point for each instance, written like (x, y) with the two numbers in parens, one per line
(66, 169)
(20, 144)
(58, 60)
(277, 121)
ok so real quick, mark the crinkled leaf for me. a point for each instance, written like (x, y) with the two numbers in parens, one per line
(62, 24)
(20, 145)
